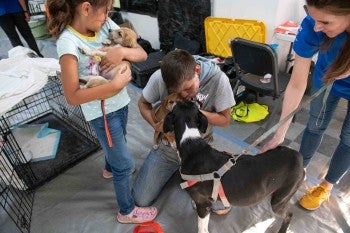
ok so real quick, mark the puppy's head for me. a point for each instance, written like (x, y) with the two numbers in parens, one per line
(170, 101)
(185, 113)
(124, 37)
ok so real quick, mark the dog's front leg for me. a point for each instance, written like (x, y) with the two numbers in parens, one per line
(92, 52)
(203, 224)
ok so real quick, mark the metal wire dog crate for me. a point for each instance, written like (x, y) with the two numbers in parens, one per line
(18, 177)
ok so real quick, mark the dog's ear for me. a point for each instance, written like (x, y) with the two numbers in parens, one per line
(168, 124)
(202, 122)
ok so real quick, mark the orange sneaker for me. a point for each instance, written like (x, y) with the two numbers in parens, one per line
(315, 197)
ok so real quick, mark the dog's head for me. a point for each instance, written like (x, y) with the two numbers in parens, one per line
(170, 101)
(185, 114)
(124, 37)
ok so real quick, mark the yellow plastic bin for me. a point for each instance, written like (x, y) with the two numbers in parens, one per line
(220, 31)
(38, 27)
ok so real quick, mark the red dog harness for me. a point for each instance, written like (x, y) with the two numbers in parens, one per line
(218, 190)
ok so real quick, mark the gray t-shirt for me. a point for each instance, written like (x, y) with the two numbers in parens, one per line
(214, 95)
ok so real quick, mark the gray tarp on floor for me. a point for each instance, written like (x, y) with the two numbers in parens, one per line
(80, 200)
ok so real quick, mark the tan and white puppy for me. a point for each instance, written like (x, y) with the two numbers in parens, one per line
(159, 112)
(124, 37)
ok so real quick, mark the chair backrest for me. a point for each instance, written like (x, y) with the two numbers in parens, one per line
(255, 58)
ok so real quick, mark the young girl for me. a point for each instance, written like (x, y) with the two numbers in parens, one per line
(326, 32)
(86, 24)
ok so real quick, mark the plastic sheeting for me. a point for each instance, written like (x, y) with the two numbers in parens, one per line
(80, 200)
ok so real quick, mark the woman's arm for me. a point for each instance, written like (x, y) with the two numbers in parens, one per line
(292, 98)
(71, 87)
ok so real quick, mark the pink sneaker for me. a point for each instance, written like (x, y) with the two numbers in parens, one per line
(106, 174)
(138, 215)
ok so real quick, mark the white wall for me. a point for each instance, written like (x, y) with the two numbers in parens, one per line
(271, 12)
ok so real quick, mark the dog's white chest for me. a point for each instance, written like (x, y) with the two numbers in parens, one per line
(190, 133)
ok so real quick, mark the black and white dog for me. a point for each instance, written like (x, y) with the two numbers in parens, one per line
(277, 173)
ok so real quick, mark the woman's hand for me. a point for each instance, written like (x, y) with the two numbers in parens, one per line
(273, 143)
(27, 15)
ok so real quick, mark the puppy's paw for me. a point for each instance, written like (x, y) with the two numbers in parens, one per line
(83, 50)
(107, 42)
(165, 142)
(173, 145)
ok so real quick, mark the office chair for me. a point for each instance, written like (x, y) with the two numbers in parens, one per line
(252, 61)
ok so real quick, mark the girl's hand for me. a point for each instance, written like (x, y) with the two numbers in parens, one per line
(122, 76)
(113, 58)
(120, 80)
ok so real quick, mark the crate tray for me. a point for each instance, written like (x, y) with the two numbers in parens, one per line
(73, 147)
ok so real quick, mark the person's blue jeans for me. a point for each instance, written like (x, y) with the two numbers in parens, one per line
(155, 172)
(153, 175)
(318, 122)
(118, 157)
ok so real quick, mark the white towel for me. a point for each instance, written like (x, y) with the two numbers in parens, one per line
(21, 76)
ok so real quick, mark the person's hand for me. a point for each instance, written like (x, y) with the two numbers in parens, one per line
(158, 126)
(120, 80)
(113, 58)
(122, 76)
(27, 16)
(273, 143)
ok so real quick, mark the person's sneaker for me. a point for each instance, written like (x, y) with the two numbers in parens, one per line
(106, 174)
(315, 197)
(138, 215)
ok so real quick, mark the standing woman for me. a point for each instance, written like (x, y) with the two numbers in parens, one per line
(324, 31)
(14, 14)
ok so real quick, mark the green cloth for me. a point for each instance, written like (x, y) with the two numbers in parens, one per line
(253, 112)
